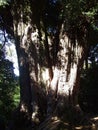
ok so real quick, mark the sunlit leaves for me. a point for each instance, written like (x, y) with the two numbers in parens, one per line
(4, 2)
(91, 11)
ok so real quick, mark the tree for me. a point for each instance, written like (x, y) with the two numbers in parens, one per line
(61, 40)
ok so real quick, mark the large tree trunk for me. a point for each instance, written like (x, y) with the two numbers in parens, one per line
(27, 47)
(64, 69)
(62, 98)
(65, 83)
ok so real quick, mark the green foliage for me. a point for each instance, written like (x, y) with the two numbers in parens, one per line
(91, 12)
(72, 10)
(4, 2)
(9, 89)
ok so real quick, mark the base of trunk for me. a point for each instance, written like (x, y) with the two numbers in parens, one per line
(71, 118)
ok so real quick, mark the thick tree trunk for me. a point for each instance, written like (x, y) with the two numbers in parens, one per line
(64, 87)
(30, 74)
(62, 98)
(63, 71)
(26, 47)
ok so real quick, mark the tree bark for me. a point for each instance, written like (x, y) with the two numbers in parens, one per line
(64, 74)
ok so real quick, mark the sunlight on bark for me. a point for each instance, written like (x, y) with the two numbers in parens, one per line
(23, 108)
(34, 36)
(67, 53)
(35, 113)
(26, 36)
(55, 79)
(21, 27)
(72, 77)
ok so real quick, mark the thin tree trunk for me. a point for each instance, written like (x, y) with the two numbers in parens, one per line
(25, 87)
(22, 35)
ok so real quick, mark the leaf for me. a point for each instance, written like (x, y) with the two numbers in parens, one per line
(4, 2)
